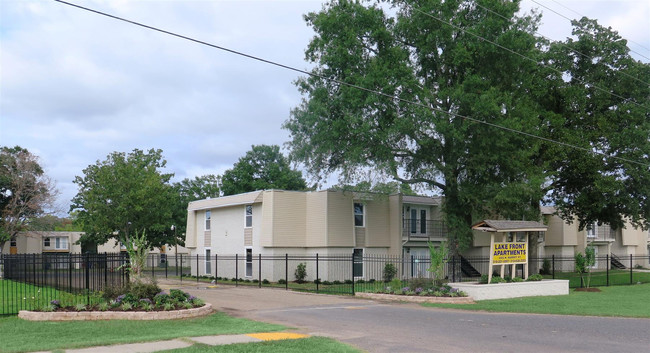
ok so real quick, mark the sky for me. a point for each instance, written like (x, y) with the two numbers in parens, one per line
(76, 86)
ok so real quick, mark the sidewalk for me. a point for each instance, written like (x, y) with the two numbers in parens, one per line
(186, 342)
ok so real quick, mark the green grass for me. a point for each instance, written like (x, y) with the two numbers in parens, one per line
(311, 344)
(17, 335)
(623, 301)
(16, 296)
(616, 277)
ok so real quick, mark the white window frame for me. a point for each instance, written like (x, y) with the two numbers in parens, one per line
(207, 261)
(591, 231)
(248, 218)
(248, 265)
(208, 219)
(61, 243)
(47, 242)
(363, 214)
(13, 243)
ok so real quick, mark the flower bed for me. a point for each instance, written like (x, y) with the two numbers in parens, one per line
(416, 299)
(440, 292)
(115, 315)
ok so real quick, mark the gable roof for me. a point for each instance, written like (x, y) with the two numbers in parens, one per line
(502, 226)
(226, 201)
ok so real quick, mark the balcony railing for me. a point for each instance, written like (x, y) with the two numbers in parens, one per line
(601, 233)
(418, 230)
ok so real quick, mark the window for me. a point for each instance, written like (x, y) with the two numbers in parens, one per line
(207, 220)
(12, 243)
(47, 242)
(414, 220)
(208, 263)
(249, 216)
(61, 243)
(358, 215)
(423, 221)
(249, 262)
(591, 231)
(357, 263)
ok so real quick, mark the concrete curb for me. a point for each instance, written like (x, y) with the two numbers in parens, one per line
(416, 299)
(116, 315)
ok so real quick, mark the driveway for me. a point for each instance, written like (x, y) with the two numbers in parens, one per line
(382, 327)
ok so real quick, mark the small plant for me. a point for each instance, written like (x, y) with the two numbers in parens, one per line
(47, 308)
(80, 307)
(256, 281)
(546, 267)
(282, 281)
(188, 305)
(389, 272)
(127, 306)
(395, 283)
(517, 279)
(327, 283)
(55, 304)
(317, 281)
(247, 281)
(372, 280)
(535, 277)
(301, 272)
(146, 306)
(168, 306)
(348, 281)
(584, 263)
(234, 279)
(361, 281)
(337, 282)
(265, 281)
(438, 260)
(198, 302)
(103, 306)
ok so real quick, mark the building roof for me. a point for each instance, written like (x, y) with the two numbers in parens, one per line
(546, 210)
(226, 201)
(502, 226)
(422, 200)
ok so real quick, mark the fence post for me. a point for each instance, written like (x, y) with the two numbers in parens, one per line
(352, 273)
(197, 268)
(166, 265)
(87, 279)
(553, 257)
(631, 280)
(286, 271)
(453, 268)
(216, 268)
(181, 268)
(259, 270)
(317, 281)
(607, 267)
(236, 270)
(105, 269)
(153, 257)
(412, 265)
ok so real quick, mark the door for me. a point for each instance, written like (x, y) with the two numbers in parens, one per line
(208, 262)
(249, 262)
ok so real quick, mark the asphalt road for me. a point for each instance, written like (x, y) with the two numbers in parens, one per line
(382, 327)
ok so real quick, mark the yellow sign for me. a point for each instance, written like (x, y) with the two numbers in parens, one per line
(509, 253)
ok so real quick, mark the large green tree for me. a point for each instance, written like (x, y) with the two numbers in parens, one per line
(125, 194)
(597, 97)
(263, 167)
(432, 73)
(26, 192)
(187, 190)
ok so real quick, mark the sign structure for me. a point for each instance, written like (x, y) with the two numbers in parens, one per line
(509, 253)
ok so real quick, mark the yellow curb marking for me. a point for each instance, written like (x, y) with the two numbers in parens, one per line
(212, 286)
(272, 336)
(354, 308)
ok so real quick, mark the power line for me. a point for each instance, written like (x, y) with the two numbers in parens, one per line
(570, 20)
(354, 86)
(562, 44)
(525, 57)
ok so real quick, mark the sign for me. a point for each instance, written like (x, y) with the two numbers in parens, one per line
(509, 253)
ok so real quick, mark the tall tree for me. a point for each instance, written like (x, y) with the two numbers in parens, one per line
(187, 190)
(263, 167)
(598, 98)
(425, 52)
(123, 194)
(25, 191)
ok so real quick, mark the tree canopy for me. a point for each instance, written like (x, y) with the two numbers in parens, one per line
(123, 194)
(187, 190)
(444, 84)
(263, 167)
(26, 192)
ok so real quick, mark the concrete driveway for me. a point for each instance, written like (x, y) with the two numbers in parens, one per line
(388, 327)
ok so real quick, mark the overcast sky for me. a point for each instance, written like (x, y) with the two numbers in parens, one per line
(76, 86)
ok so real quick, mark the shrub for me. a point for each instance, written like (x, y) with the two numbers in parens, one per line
(395, 283)
(420, 282)
(535, 277)
(265, 281)
(103, 306)
(188, 305)
(178, 295)
(141, 290)
(348, 281)
(361, 281)
(256, 281)
(438, 258)
(317, 281)
(47, 308)
(372, 280)
(168, 306)
(198, 302)
(546, 267)
(234, 279)
(282, 281)
(127, 306)
(517, 279)
(161, 298)
(337, 282)
(146, 306)
(247, 281)
(112, 292)
(327, 283)
(301, 272)
(389, 272)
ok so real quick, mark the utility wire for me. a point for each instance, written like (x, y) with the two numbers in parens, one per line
(562, 44)
(525, 57)
(356, 86)
(570, 20)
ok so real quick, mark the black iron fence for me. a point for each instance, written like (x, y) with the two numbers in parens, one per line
(33, 280)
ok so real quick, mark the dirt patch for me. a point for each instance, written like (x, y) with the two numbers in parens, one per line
(587, 290)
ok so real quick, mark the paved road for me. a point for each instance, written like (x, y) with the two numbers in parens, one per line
(382, 327)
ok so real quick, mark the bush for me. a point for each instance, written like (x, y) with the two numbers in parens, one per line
(327, 283)
(301, 272)
(348, 281)
(282, 281)
(317, 281)
(361, 281)
(265, 281)
(389, 272)
(142, 290)
(256, 281)
(546, 267)
(420, 283)
(337, 282)
(517, 279)
(535, 277)
(372, 280)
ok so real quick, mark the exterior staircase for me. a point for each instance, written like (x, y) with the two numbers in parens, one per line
(467, 268)
(615, 261)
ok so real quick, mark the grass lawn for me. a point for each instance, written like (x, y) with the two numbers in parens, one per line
(17, 335)
(624, 301)
(311, 344)
(16, 296)
(616, 277)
